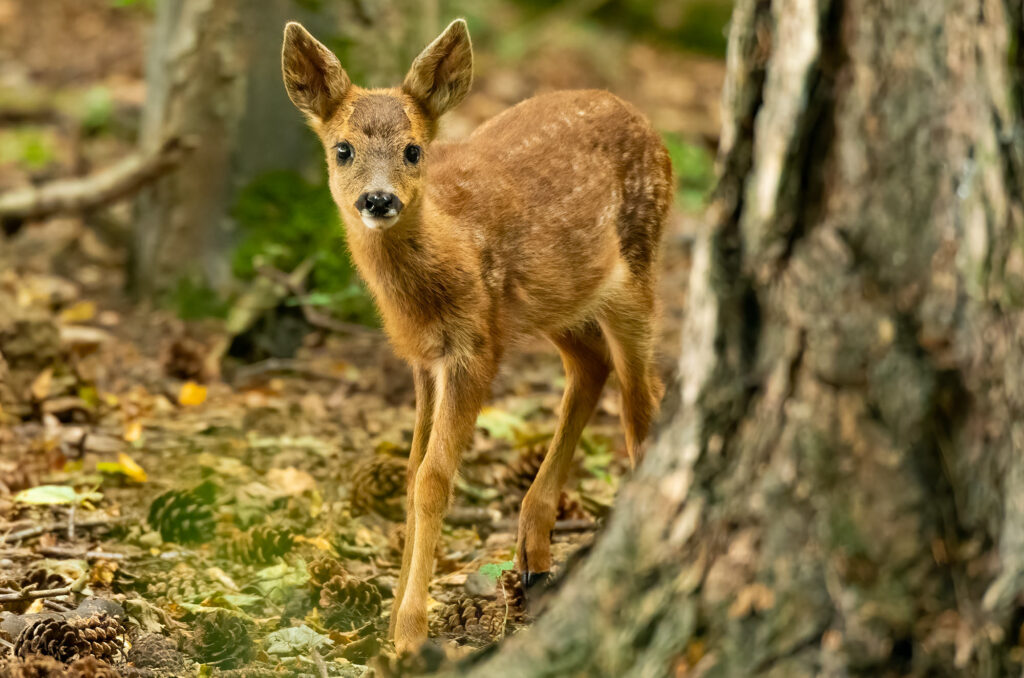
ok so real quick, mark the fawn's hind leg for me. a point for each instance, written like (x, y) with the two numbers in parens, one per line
(585, 356)
(628, 322)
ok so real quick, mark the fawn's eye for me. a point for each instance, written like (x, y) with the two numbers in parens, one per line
(343, 152)
(412, 154)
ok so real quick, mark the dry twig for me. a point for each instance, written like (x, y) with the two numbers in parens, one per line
(88, 192)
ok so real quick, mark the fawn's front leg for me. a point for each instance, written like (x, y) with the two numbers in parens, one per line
(460, 388)
(424, 383)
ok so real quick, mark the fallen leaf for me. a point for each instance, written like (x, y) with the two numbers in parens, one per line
(40, 387)
(499, 423)
(128, 467)
(296, 640)
(46, 495)
(752, 598)
(132, 431)
(192, 394)
(290, 481)
(82, 312)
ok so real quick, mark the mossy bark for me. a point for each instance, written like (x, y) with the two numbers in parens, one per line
(838, 489)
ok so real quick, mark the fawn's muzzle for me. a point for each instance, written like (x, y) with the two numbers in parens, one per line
(379, 205)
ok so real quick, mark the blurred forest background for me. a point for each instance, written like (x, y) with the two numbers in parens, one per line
(200, 425)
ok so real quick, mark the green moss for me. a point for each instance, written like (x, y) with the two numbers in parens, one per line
(284, 220)
(694, 169)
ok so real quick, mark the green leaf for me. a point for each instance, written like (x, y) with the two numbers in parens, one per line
(278, 582)
(493, 570)
(297, 640)
(48, 495)
(500, 424)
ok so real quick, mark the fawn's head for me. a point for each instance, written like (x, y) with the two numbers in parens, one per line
(376, 140)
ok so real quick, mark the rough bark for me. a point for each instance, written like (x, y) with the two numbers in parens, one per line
(839, 490)
(214, 76)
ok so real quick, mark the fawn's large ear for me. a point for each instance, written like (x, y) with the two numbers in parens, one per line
(313, 76)
(442, 74)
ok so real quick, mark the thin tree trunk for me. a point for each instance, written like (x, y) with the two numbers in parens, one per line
(839, 490)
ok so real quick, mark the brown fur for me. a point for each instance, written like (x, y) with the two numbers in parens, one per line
(546, 220)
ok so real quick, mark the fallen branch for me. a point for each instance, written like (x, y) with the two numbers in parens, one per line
(34, 594)
(82, 554)
(37, 530)
(248, 373)
(94, 190)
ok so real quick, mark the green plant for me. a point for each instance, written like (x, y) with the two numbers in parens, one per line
(33, 148)
(694, 169)
(283, 221)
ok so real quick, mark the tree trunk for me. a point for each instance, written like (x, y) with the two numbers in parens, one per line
(214, 80)
(839, 489)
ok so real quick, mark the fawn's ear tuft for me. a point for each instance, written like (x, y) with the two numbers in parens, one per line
(442, 74)
(313, 76)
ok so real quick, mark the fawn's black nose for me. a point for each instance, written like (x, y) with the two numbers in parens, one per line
(379, 204)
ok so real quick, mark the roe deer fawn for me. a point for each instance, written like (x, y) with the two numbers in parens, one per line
(546, 220)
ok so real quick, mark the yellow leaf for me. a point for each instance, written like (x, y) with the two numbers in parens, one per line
(290, 480)
(132, 430)
(82, 312)
(192, 394)
(131, 469)
(40, 387)
(317, 542)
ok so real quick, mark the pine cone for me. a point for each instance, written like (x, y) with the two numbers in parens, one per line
(153, 651)
(348, 603)
(223, 639)
(90, 667)
(185, 358)
(260, 544)
(479, 621)
(35, 666)
(520, 473)
(512, 594)
(68, 639)
(322, 570)
(378, 486)
(180, 585)
(41, 579)
(183, 517)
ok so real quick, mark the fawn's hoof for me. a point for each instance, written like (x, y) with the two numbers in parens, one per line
(532, 580)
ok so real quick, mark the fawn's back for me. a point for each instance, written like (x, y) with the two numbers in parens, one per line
(562, 196)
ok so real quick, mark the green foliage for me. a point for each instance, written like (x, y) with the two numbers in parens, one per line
(31, 147)
(191, 299)
(697, 25)
(147, 5)
(285, 220)
(493, 570)
(694, 169)
(97, 109)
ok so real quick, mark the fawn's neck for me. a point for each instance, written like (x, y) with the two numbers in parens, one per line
(402, 265)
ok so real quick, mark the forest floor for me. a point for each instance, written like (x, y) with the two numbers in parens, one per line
(160, 511)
